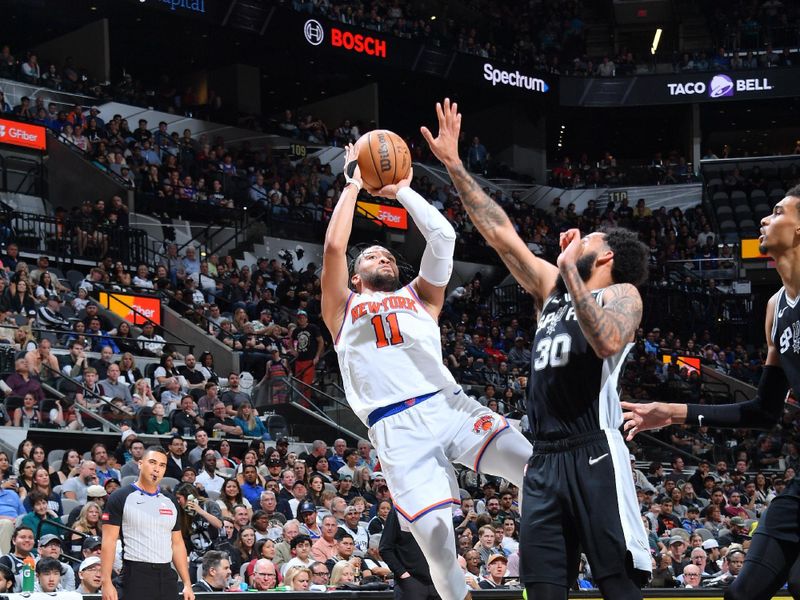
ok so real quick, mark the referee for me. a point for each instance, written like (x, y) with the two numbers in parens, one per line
(151, 537)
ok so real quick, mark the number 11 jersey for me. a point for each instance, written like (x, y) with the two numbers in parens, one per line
(389, 349)
(572, 390)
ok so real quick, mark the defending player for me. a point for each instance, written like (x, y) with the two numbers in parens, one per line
(388, 343)
(773, 555)
(578, 490)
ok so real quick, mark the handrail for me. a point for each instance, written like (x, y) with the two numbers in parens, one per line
(98, 335)
(59, 525)
(85, 154)
(149, 320)
(82, 409)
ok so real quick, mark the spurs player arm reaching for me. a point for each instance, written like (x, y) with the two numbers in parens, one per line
(536, 276)
(763, 412)
(334, 278)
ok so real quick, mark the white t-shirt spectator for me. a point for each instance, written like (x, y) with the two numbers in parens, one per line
(211, 484)
(296, 562)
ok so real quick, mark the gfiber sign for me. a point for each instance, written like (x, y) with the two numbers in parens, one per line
(720, 86)
(22, 134)
(513, 79)
(391, 216)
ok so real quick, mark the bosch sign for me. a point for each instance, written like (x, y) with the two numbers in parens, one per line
(314, 33)
(22, 134)
(720, 86)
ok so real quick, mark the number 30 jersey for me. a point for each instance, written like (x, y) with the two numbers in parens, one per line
(389, 349)
(572, 390)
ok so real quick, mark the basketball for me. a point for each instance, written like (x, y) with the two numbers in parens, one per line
(383, 158)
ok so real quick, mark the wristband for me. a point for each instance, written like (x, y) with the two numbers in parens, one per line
(349, 170)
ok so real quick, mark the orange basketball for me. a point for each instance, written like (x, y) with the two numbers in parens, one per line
(383, 158)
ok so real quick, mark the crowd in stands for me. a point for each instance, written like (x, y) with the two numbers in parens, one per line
(605, 172)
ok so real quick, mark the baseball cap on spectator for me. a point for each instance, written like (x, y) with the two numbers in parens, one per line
(350, 510)
(48, 539)
(738, 521)
(307, 507)
(31, 313)
(89, 562)
(92, 542)
(111, 480)
(96, 491)
(298, 482)
(676, 539)
(495, 557)
(301, 312)
(377, 475)
(346, 478)
(282, 441)
(710, 544)
(95, 108)
(274, 462)
(190, 468)
(632, 457)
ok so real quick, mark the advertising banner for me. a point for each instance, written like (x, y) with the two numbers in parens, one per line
(391, 216)
(134, 309)
(23, 134)
(680, 88)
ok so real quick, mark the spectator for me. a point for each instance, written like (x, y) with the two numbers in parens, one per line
(89, 575)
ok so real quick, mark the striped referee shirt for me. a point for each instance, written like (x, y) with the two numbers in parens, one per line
(146, 523)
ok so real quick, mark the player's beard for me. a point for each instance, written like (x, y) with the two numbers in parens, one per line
(381, 281)
(585, 265)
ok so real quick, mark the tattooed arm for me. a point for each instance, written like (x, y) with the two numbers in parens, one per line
(610, 327)
(535, 275)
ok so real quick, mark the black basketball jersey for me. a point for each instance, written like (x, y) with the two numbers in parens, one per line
(786, 337)
(572, 390)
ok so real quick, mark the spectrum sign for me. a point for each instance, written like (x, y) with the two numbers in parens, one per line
(22, 134)
(315, 34)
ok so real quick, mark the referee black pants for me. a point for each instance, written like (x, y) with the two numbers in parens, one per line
(148, 581)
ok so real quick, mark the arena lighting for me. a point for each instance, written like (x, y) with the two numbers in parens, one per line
(656, 39)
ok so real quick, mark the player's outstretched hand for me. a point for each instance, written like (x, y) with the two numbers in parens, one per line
(645, 416)
(445, 145)
(570, 244)
(352, 174)
(390, 191)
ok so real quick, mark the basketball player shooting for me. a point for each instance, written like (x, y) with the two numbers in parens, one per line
(388, 343)
(578, 489)
(774, 555)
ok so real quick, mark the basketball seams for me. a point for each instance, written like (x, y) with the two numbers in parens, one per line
(394, 151)
(372, 158)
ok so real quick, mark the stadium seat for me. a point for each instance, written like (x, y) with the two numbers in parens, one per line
(724, 212)
(704, 533)
(54, 455)
(777, 194)
(129, 479)
(720, 198)
(761, 210)
(169, 483)
(55, 465)
(738, 197)
(68, 505)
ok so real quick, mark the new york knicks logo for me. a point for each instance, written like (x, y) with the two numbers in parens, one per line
(484, 424)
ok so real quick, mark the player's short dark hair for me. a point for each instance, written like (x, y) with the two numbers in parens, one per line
(794, 191)
(159, 449)
(631, 257)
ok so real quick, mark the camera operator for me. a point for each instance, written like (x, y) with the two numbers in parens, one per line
(200, 523)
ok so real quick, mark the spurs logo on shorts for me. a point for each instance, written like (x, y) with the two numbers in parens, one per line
(483, 425)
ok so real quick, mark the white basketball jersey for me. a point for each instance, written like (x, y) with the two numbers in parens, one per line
(389, 350)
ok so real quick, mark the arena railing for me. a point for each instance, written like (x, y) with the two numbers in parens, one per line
(56, 236)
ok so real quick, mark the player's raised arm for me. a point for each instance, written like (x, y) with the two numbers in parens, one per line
(762, 412)
(440, 241)
(334, 278)
(536, 276)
